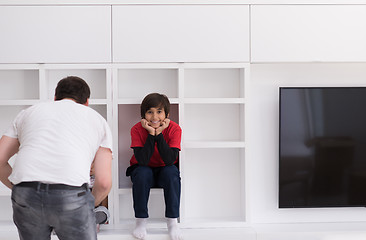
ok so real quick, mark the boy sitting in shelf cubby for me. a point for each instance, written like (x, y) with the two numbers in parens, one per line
(155, 141)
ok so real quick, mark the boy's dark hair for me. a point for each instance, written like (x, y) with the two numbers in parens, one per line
(72, 87)
(155, 100)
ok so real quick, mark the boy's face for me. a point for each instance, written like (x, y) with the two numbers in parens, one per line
(155, 116)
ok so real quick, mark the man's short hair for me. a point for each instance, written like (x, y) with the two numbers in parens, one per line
(155, 100)
(72, 87)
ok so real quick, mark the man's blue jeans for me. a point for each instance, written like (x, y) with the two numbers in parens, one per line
(69, 212)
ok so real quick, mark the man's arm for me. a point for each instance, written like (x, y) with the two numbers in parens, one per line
(103, 174)
(8, 147)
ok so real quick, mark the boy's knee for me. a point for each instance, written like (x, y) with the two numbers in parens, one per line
(170, 173)
(142, 173)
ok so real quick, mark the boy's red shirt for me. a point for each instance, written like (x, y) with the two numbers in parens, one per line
(172, 135)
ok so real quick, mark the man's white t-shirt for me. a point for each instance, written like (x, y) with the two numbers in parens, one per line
(58, 141)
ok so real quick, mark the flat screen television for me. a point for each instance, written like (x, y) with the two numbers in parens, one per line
(322, 147)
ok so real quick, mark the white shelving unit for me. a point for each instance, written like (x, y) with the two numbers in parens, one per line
(23, 85)
(208, 101)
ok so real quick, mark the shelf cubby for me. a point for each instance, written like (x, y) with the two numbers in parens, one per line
(214, 122)
(137, 83)
(216, 83)
(213, 177)
(19, 84)
(96, 79)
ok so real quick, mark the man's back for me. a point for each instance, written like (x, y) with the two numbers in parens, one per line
(58, 142)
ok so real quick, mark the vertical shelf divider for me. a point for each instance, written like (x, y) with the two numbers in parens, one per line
(244, 76)
(109, 101)
(42, 83)
(182, 155)
(115, 175)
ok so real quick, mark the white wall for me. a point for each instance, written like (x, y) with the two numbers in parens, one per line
(263, 133)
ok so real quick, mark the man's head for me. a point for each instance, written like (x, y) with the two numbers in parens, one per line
(74, 88)
(155, 100)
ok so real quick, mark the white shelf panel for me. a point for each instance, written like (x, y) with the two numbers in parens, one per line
(214, 65)
(308, 33)
(150, 65)
(184, 33)
(97, 101)
(213, 144)
(25, 102)
(19, 67)
(139, 100)
(214, 100)
(177, 2)
(78, 66)
(42, 34)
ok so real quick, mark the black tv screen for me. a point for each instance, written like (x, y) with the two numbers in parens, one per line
(322, 147)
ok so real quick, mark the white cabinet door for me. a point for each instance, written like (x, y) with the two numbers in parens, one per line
(184, 33)
(306, 33)
(55, 34)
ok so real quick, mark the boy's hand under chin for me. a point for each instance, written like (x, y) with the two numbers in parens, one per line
(164, 124)
(145, 124)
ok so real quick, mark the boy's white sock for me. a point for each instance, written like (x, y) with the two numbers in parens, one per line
(140, 229)
(173, 229)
